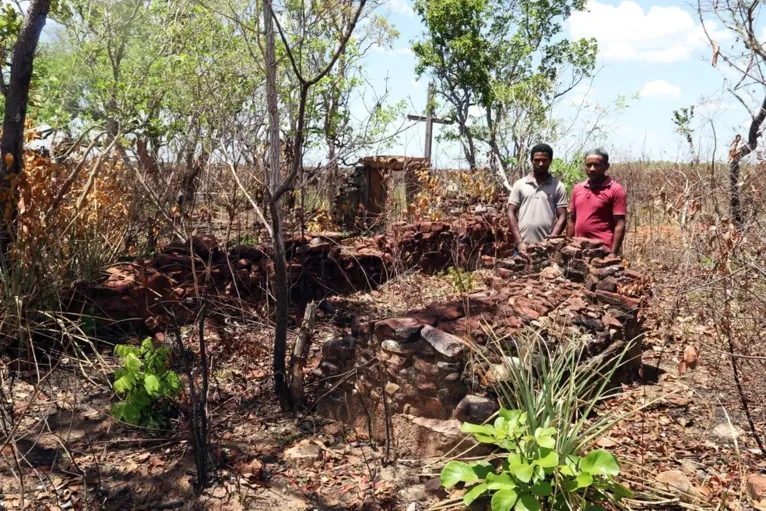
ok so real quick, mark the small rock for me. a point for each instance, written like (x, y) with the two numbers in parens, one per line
(727, 431)
(398, 329)
(449, 428)
(424, 367)
(392, 388)
(756, 488)
(434, 487)
(452, 377)
(302, 455)
(475, 409)
(394, 347)
(446, 344)
(502, 372)
(677, 480)
(551, 272)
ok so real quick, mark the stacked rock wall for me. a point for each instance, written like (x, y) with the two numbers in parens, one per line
(418, 365)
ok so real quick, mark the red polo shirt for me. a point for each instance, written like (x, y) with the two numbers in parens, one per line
(595, 209)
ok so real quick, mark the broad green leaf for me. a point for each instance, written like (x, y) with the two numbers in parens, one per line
(527, 502)
(522, 471)
(567, 470)
(482, 469)
(543, 489)
(475, 492)
(118, 410)
(457, 472)
(151, 384)
(132, 363)
(140, 399)
(477, 428)
(504, 500)
(130, 413)
(600, 462)
(584, 479)
(147, 344)
(500, 482)
(548, 459)
(546, 441)
(125, 383)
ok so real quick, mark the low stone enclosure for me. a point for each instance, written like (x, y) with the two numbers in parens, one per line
(155, 292)
(408, 380)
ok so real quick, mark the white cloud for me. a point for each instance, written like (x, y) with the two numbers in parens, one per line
(390, 52)
(660, 89)
(628, 32)
(401, 7)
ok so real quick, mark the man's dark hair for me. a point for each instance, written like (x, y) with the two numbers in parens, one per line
(598, 152)
(541, 148)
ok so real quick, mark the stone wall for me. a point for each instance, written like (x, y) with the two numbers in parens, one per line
(147, 293)
(417, 366)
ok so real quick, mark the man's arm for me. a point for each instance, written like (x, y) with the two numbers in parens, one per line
(619, 234)
(513, 217)
(572, 215)
(571, 224)
(561, 221)
(619, 210)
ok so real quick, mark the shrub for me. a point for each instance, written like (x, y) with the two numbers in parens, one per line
(536, 474)
(145, 384)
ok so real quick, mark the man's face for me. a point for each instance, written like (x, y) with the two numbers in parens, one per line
(540, 163)
(595, 167)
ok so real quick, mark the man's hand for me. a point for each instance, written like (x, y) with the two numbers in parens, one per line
(523, 248)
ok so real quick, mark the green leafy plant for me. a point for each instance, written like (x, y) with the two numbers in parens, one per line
(460, 280)
(145, 384)
(537, 473)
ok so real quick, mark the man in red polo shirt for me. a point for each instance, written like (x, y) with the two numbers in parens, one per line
(598, 207)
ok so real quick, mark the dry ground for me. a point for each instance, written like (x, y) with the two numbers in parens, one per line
(74, 456)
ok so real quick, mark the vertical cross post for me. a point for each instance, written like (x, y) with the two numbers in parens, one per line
(429, 119)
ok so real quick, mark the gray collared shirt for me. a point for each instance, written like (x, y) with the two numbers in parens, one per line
(537, 206)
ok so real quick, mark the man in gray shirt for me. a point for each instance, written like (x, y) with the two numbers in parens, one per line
(538, 202)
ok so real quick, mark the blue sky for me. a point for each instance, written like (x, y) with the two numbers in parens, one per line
(656, 49)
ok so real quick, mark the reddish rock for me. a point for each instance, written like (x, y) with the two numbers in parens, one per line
(607, 284)
(756, 488)
(475, 409)
(626, 302)
(425, 367)
(423, 382)
(607, 261)
(446, 344)
(398, 329)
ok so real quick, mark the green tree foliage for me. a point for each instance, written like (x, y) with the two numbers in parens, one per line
(506, 60)
(145, 384)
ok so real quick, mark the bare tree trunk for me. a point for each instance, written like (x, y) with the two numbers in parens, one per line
(737, 155)
(16, 99)
(301, 352)
(281, 288)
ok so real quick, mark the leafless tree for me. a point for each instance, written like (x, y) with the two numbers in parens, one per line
(747, 58)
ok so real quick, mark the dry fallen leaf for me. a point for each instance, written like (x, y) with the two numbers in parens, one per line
(716, 52)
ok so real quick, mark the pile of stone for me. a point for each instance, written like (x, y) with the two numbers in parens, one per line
(418, 365)
(152, 293)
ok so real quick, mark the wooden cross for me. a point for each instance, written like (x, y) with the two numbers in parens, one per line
(429, 119)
